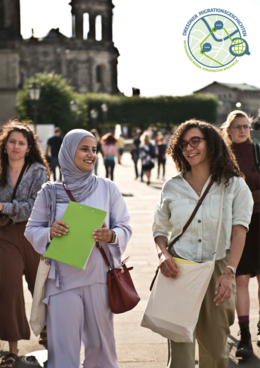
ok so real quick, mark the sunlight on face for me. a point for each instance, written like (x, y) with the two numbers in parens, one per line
(86, 154)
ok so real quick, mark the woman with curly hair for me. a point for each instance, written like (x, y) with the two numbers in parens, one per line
(202, 157)
(22, 163)
(236, 132)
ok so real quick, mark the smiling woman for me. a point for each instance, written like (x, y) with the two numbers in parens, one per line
(205, 163)
(81, 294)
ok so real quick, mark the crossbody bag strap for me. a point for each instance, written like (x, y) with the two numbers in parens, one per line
(192, 215)
(18, 181)
(220, 220)
(97, 244)
(257, 156)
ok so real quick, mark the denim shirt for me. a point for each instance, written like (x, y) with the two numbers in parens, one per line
(178, 200)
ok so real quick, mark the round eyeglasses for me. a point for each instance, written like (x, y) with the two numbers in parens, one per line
(193, 142)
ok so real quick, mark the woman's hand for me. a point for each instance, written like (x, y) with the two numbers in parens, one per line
(1, 206)
(103, 235)
(58, 228)
(225, 284)
(168, 266)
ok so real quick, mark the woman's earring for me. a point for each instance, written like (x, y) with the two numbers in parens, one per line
(27, 153)
(5, 151)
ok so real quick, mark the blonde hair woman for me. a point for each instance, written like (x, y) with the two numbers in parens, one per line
(147, 154)
(236, 131)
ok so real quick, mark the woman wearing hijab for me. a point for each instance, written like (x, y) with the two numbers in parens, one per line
(77, 300)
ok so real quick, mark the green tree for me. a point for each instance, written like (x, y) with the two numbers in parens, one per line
(54, 103)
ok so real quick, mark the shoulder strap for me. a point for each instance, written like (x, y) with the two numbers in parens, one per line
(97, 244)
(192, 215)
(257, 156)
(69, 193)
(18, 181)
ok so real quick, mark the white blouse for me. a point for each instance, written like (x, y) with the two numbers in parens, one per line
(178, 200)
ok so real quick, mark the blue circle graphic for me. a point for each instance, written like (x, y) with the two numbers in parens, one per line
(207, 47)
(204, 48)
(218, 25)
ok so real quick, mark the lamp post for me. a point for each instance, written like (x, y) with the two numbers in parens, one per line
(104, 109)
(94, 116)
(35, 92)
(74, 109)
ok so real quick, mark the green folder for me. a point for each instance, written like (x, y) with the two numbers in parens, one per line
(76, 246)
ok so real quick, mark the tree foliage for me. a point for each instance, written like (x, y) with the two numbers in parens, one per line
(54, 103)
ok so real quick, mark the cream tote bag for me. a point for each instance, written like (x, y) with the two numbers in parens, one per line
(38, 311)
(174, 304)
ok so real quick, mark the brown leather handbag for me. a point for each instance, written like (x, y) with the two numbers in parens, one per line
(121, 291)
(5, 219)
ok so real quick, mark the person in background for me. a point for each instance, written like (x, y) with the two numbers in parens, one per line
(147, 154)
(135, 153)
(168, 137)
(99, 150)
(237, 135)
(161, 147)
(19, 155)
(120, 146)
(108, 144)
(53, 145)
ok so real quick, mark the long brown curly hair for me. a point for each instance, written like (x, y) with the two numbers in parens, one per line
(34, 155)
(222, 161)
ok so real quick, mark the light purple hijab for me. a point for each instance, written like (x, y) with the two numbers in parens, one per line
(81, 184)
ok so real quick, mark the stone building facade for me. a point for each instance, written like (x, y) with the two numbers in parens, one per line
(230, 95)
(89, 64)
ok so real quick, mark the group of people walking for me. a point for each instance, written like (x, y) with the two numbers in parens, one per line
(77, 305)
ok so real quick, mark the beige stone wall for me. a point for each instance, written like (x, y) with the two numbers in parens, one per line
(7, 105)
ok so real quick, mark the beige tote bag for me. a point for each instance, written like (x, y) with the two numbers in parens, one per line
(174, 304)
(38, 311)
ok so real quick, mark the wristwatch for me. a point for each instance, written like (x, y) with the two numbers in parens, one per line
(233, 269)
(113, 237)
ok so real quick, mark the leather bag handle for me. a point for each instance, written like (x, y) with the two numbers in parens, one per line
(192, 215)
(18, 181)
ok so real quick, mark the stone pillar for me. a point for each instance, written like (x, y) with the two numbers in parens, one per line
(92, 27)
(107, 26)
(79, 24)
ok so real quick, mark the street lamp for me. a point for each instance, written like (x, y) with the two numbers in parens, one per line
(94, 116)
(74, 109)
(104, 109)
(34, 92)
(238, 104)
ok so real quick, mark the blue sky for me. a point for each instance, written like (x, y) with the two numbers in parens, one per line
(148, 35)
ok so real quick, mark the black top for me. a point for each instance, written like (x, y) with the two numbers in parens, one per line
(55, 143)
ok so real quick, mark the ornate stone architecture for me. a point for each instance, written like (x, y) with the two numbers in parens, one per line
(89, 64)
(234, 97)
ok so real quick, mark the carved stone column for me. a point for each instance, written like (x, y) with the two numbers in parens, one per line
(79, 24)
(92, 26)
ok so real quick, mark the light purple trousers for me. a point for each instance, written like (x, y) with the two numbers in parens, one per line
(81, 315)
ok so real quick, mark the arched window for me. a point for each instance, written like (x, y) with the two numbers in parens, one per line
(98, 27)
(85, 26)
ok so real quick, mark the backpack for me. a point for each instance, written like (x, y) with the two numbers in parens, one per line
(257, 156)
(152, 151)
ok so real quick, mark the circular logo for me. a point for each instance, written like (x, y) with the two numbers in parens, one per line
(214, 41)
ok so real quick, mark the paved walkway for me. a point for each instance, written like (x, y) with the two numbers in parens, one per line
(138, 347)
